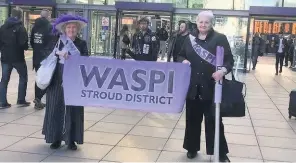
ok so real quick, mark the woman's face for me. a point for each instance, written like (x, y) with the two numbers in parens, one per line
(71, 30)
(204, 23)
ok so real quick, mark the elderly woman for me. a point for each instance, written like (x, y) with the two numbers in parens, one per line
(64, 123)
(198, 51)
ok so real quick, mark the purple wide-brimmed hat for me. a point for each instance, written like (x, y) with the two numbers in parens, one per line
(64, 19)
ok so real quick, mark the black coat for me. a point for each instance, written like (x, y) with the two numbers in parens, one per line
(201, 82)
(148, 42)
(39, 39)
(13, 41)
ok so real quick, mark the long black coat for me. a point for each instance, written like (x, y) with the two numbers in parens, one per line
(201, 82)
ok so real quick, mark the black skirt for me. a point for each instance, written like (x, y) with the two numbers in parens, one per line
(61, 123)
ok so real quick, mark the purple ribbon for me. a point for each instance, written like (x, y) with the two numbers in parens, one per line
(201, 52)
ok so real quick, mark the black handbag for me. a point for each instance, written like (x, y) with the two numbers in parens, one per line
(233, 100)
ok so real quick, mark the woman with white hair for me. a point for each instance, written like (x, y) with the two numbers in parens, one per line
(64, 123)
(200, 52)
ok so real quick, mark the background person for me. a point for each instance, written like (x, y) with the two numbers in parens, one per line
(280, 45)
(124, 41)
(176, 42)
(201, 90)
(13, 43)
(145, 44)
(163, 36)
(64, 123)
(40, 38)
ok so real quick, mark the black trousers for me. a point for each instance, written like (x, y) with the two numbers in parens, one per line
(39, 93)
(123, 54)
(279, 61)
(195, 110)
(286, 59)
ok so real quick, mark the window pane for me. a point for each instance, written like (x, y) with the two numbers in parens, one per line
(245, 4)
(177, 3)
(3, 14)
(73, 1)
(112, 2)
(289, 3)
(211, 4)
(235, 29)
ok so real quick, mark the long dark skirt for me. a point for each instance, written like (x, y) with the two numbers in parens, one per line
(61, 123)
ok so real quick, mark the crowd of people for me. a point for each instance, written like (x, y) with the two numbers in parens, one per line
(282, 47)
(65, 123)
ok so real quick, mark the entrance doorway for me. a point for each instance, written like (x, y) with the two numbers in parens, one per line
(129, 13)
(269, 22)
(30, 14)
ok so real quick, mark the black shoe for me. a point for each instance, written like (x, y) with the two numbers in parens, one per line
(191, 155)
(56, 145)
(72, 146)
(224, 159)
(23, 103)
(276, 73)
(253, 68)
(5, 106)
(38, 104)
(280, 71)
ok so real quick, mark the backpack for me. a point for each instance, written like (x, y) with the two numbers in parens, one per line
(126, 39)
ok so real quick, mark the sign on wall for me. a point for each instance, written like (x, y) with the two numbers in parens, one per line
(267, 27)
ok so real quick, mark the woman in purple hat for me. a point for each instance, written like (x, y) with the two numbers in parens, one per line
(64, 123)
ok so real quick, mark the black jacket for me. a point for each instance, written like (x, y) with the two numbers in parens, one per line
(284, 42)
(13, 41)
(162, 34)
(145, 47)
(171, 47)
(40, 37)
(201, 82)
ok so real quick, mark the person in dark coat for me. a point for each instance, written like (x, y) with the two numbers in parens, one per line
(257, 49)
(64, 123)
(145, 43)
(200, 51)
(40, 38)
(281, 46)
(176, 42)
(13, 43)
(163, 36)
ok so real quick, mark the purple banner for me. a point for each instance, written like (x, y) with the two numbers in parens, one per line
(135, 85)
(33, 2)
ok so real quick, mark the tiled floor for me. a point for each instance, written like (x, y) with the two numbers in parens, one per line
(265, 134)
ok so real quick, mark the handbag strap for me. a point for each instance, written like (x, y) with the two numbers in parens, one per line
(245, 86)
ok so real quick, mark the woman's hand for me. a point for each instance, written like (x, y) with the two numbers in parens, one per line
(63, 54)
(186, 62)
(218, 75)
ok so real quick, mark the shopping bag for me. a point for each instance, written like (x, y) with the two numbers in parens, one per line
(233, 99)
(46, 71)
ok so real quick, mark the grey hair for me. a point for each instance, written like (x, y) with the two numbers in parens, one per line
(45, 13)
(209, 14)
(77, 25)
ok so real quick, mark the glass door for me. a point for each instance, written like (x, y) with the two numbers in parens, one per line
(102, 33)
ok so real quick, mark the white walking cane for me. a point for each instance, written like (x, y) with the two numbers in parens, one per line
(218, 99)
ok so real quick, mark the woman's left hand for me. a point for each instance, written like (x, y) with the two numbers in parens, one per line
(63, 54)
(218, 75)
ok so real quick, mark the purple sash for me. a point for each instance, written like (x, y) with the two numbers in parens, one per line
(201, 52)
